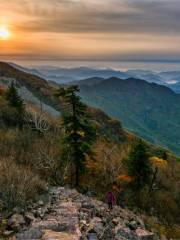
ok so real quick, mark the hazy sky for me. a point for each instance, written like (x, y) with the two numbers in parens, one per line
(91, 29)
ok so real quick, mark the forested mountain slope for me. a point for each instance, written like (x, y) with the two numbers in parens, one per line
(150, 110)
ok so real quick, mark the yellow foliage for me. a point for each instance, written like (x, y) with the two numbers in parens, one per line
(158, 162)
(81, 133)
(121, 181)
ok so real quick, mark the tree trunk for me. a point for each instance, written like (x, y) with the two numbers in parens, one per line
(153, 181)
(77, 176)
(75, 142)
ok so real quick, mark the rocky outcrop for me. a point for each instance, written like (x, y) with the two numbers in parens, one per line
(69, 215)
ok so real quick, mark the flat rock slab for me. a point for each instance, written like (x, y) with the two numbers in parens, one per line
(50, 235)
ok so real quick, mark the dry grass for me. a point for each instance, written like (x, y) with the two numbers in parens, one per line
(18, 184)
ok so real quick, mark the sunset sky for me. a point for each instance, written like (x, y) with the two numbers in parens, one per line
(91, 29)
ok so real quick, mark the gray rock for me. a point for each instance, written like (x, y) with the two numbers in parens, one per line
(32, 233)
(39, 213)
(87, 205)
(41, 203)
(29, 217)
(92, 236)
(125, 232)
(115, 221)
(8, 233)
(143, 234)
(16, 222)
(132, 225)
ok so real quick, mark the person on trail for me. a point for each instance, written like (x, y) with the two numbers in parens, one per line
(111, 200)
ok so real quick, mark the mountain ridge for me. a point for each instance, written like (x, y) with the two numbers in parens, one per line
(63, 75)
(97, 81)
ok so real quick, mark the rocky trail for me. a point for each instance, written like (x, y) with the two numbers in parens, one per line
(69, 215)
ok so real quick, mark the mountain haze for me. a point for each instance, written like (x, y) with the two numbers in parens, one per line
(63, 75)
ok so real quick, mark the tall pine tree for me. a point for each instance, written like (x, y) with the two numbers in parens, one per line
(79, 131)
(13, 97)
(139, 165)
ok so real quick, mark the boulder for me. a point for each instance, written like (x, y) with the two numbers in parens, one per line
(115, 221)
(41, 203)
(16, 222)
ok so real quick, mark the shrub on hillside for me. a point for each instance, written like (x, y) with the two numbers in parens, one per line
(18, 184)
(44, 158)
(27, 148)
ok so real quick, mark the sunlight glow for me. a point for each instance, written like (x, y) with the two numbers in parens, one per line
(4, 33)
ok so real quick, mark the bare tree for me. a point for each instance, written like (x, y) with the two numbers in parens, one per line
(111, 168)
(37, 121)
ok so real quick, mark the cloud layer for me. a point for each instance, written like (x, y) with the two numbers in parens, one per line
(141, 27)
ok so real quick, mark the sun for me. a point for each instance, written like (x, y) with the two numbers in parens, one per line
(4, 33)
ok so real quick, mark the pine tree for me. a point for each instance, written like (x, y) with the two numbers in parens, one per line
(16, 103)
(79, 131)
(13, 97)
(139, 165)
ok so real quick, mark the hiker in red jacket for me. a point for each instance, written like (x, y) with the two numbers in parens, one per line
(111, 200)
